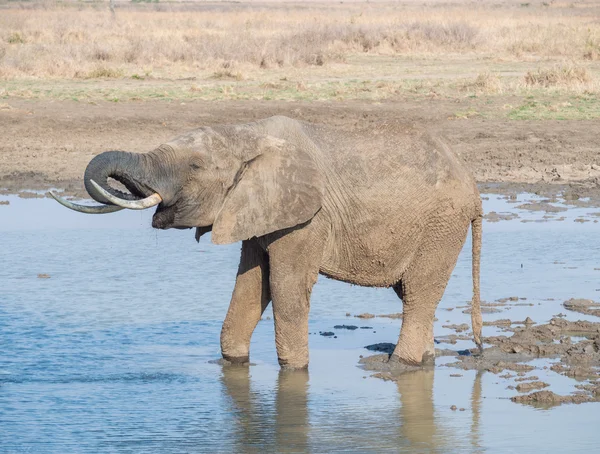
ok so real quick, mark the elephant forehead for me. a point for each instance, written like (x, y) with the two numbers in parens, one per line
(209, 148)
(196, 141)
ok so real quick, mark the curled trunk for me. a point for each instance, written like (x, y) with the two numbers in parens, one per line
(130, 169)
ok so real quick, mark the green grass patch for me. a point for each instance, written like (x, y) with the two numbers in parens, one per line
(573, 108)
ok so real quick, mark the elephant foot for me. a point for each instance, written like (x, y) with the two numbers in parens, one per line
(235, 360)
(414, 355)
(388, 364)
(427, 360)
(287, 364)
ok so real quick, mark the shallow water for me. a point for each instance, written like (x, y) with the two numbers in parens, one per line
(111, 353)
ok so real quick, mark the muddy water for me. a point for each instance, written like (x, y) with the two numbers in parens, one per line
(111, 352)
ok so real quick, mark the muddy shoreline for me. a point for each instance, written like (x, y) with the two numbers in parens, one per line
(47, 144)
(512, 355)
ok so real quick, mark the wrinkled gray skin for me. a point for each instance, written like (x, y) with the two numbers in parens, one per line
(389, 206)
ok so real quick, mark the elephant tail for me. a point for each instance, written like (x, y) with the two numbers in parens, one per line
(475, 303)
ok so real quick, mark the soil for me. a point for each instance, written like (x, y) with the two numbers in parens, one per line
(505, 322)
(583, 306)
(530, 386)
(48, 143)
(492, 216)
(348, 327)
(541, 206)
(579, 360)
(367, 315)
(549, 399)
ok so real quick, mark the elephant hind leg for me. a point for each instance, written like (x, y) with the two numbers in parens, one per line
(415, 344)
(421, 290)
(250, 298)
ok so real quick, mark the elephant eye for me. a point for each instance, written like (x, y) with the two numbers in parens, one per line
(196, 165)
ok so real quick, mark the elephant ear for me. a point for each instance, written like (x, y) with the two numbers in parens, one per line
(278, 188)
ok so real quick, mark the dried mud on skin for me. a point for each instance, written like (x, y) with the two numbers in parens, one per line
(580, 360)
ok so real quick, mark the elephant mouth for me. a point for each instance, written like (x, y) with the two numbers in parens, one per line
(135, 188)
(164, 217)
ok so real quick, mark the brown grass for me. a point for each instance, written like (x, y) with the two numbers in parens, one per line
(562, 75)
(484, 83)
(75, 40)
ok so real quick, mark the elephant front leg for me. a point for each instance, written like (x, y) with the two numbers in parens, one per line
(294, 267)
(249, 300)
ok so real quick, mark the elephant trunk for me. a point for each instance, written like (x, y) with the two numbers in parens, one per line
(130, 169)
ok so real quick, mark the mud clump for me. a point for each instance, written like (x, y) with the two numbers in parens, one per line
(505, 322)
(30, 195)
(574, 371)
(366, 315)
(501, 322)
(397, 315)
(528, 386)
(492, 216)
(4, 202)
(43, 276)
(527, 378)
(541, 206)
(348, 327)
(451, 339)
(388, 369)
(548, 399)
(484, 310)
(457, 328)
(326, 333)
(384, 347)
(509, 298)
(515, 367)
(583, 306)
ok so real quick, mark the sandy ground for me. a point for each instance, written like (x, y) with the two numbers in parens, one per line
(48, 143)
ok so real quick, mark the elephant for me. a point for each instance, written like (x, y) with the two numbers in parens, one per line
(385, 205)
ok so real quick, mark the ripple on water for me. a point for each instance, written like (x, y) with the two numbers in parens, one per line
(112, 351)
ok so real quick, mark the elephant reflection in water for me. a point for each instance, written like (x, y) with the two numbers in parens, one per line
(283, 425)
(265, 426)
(419, 425)
(417, 419)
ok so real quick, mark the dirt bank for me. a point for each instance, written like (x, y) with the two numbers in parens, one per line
(574, 345)
(49, 143)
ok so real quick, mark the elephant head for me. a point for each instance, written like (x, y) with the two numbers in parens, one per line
(232, 180)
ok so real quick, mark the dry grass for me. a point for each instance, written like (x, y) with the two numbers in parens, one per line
(485, 82)
(78, 41)
(558, 76)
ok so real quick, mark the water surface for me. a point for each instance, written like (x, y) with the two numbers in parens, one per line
(111, 353)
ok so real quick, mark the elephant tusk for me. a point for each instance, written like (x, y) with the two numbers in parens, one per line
(98, 209)
(148, 202)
